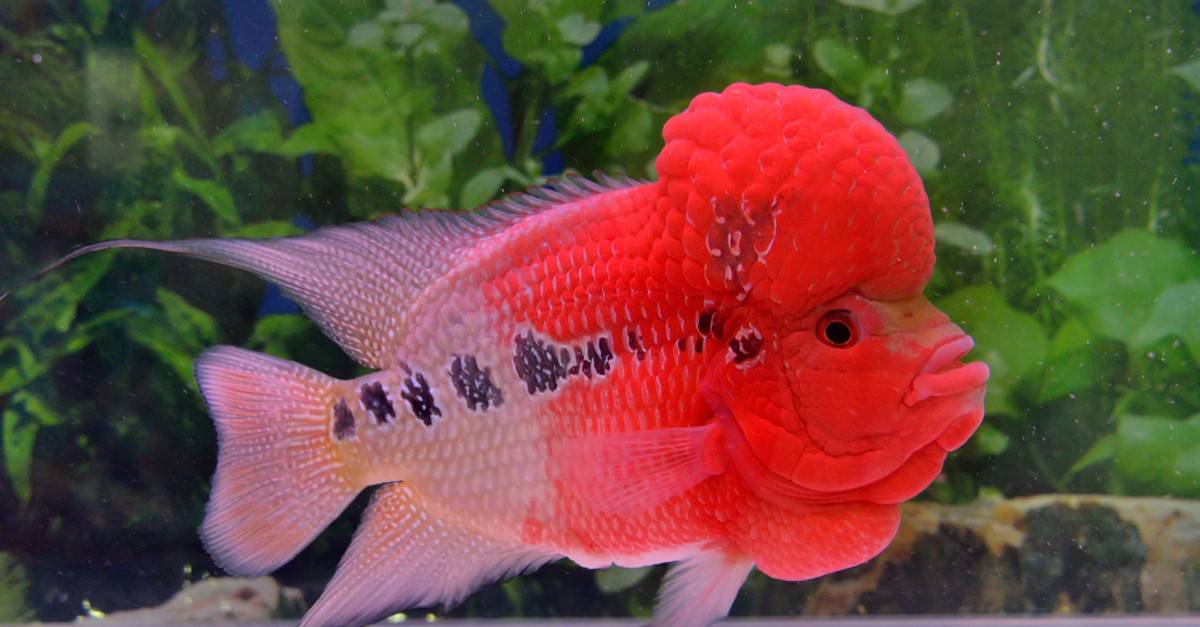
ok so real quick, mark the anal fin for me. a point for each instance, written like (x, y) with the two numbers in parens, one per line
(405, 555)
(700, 589)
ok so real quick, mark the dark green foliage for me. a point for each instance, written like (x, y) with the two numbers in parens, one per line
(1052, 135)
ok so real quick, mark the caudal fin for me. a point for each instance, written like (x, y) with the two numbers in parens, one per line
(279, 480)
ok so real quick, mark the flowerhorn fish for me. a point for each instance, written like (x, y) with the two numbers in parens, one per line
(730, 367)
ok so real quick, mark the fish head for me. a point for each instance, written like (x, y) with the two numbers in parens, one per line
(802, 217)
(857, 399)
(871, 383)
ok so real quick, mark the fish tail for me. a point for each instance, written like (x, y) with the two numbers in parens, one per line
(280, 479)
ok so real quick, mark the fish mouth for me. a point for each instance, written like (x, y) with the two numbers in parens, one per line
(943, 375)
(947, 387)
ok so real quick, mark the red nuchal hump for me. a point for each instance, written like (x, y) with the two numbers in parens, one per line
(788, 196)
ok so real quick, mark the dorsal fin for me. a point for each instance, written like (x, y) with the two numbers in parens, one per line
(356, 280)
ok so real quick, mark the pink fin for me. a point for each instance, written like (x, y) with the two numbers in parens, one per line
(278, 481)
(627, 473)
(700, 589)
(356, 280)
(405, 555)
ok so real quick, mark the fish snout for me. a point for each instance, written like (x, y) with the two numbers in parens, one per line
(943, 373)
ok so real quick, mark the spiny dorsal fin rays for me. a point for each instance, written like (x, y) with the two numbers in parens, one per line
(358, 280)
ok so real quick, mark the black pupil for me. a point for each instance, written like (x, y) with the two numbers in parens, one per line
(837, 332)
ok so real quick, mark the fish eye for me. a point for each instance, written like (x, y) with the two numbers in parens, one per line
(838, 329)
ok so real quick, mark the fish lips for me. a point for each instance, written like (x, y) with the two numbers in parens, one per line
(942, 387)
(943, 379)
(920, 468)
(945, 405)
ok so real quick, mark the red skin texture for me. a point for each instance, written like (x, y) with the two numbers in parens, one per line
(774, 206)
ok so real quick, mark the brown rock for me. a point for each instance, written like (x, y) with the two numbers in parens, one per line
(1053, 553)
(217, 600)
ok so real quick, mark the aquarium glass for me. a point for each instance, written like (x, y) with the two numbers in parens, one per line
(1058, 141)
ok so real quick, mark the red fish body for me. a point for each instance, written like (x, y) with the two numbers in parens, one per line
(730, 367)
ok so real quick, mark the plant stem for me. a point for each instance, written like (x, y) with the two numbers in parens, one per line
(1044, 469)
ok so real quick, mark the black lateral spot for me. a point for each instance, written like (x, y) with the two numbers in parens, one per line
(600, 354)
(745, 345)
(635, 344)
(704, 322)
(538, 363)
(582, 364)
(681, 344)
(699, 345)
(718, 325)
(606, 354)
(376, 400)
(343, 421)
(420, 398)
(474, 384)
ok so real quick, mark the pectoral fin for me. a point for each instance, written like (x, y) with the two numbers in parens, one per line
(631, 472)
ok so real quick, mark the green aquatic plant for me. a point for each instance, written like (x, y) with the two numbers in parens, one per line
(14, 585)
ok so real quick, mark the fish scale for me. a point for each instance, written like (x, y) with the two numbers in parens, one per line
(730, 367)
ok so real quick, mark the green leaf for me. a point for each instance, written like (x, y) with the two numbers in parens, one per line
(36, 408)
(1012, 343)
(368, 103)
(922, 100)
(630, 77)
(188, 320)
(922, 151)
(634, 131)
(25, 415)
(19, 433)
(1075, 363)
(14, 591)
(840, 61)
(55, 310)
(97, 14)
(50, 158)
(215, 195)
(1176, 312)
(450, 133)
(482, 187)
(989, 440)
(1189, 72)
(308, 139)
(547, 36)
(262, 230)
(1113, 286)
(614, 579)
(1157, 455)
(163, 72)
(1105, 449)
(964, 238)
(273, 334)
(890, 7)
(260, 132)
(779, 55)
(27, 367)
(367, 35)
(178, 335)
(433, 181)
(577, 29)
